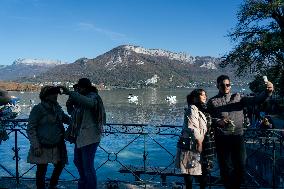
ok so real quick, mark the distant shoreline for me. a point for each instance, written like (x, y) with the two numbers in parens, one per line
(14, 86)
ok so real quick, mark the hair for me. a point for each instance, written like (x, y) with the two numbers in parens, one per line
(195, 93)
(48, 90)
(84, 83)
(221, 78)
(87, 84)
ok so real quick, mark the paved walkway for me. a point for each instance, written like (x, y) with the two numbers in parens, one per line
(7, 183)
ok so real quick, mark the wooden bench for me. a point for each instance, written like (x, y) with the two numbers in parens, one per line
(162, 171)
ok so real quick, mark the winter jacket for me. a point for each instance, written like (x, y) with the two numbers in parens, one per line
(89, 127)
(195, 124)
(45, 130)
(231, 106)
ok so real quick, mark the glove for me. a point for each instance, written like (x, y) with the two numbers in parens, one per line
(37, 152)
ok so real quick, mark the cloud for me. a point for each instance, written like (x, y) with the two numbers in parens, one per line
(91, 27)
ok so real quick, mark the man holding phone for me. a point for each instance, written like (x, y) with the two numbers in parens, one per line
(226, 110)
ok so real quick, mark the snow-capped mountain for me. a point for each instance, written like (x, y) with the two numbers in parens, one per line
(23, 67)
(182, 57)
(130, 66)
(42, 62)
(2, 66)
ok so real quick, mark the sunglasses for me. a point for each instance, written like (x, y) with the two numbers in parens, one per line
(225, 85)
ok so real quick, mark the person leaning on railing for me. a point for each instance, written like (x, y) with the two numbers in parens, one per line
(45, 132)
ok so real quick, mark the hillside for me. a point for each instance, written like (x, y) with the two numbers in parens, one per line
(132, 66)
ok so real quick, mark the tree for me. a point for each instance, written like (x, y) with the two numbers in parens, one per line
(259, 41)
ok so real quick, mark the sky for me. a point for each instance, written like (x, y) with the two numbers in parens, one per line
(67, 30)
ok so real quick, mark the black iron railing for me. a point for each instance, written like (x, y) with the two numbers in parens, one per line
(148, 153)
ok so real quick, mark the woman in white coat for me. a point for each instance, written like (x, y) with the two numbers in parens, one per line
(189, 146)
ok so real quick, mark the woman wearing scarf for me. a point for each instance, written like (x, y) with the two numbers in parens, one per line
(88, 117)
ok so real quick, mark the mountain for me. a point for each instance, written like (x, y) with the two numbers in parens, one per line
(129, 66)
(26, 68)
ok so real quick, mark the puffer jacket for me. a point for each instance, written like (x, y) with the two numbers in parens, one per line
(90, 130)
(45, 127)
(231, 106)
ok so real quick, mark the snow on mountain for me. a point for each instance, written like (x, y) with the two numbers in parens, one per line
(139, 62)
(183, 57)
(209, 65)
(152, 80)
(113, 62)
(28, 61)
(3, 66)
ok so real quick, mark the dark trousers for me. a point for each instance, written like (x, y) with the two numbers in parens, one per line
(188, 181)
(84, 161)
(41, 172)
(231, 153)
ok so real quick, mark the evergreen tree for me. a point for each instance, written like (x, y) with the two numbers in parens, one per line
(259, 41)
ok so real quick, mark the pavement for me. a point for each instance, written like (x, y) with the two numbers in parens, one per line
(9, 183)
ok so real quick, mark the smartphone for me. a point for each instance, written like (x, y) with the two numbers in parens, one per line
(265, 79)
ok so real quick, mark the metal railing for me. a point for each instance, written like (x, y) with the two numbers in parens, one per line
(148, 153)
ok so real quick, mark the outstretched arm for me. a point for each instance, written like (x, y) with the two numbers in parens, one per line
(248, 101)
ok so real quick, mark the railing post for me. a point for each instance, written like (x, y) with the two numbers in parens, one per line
(16, 157)
(144, 153)
(274, 164)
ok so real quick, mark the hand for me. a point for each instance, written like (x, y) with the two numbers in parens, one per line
(222, 122)
(65, 90)
(37, 152)
(269, 87)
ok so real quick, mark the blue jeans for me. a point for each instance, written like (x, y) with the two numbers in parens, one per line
(84, 161)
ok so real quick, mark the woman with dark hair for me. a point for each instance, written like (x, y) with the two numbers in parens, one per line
(87, 122)
(46, 134)
(189, 146)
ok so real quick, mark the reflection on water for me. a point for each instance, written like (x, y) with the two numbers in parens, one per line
(151, 108)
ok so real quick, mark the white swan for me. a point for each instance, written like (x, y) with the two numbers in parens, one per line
(132, 99)
(171, 99)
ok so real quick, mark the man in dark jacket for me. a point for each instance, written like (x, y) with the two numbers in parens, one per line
(226, 110)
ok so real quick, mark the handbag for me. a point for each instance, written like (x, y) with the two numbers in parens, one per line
(186, 143)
